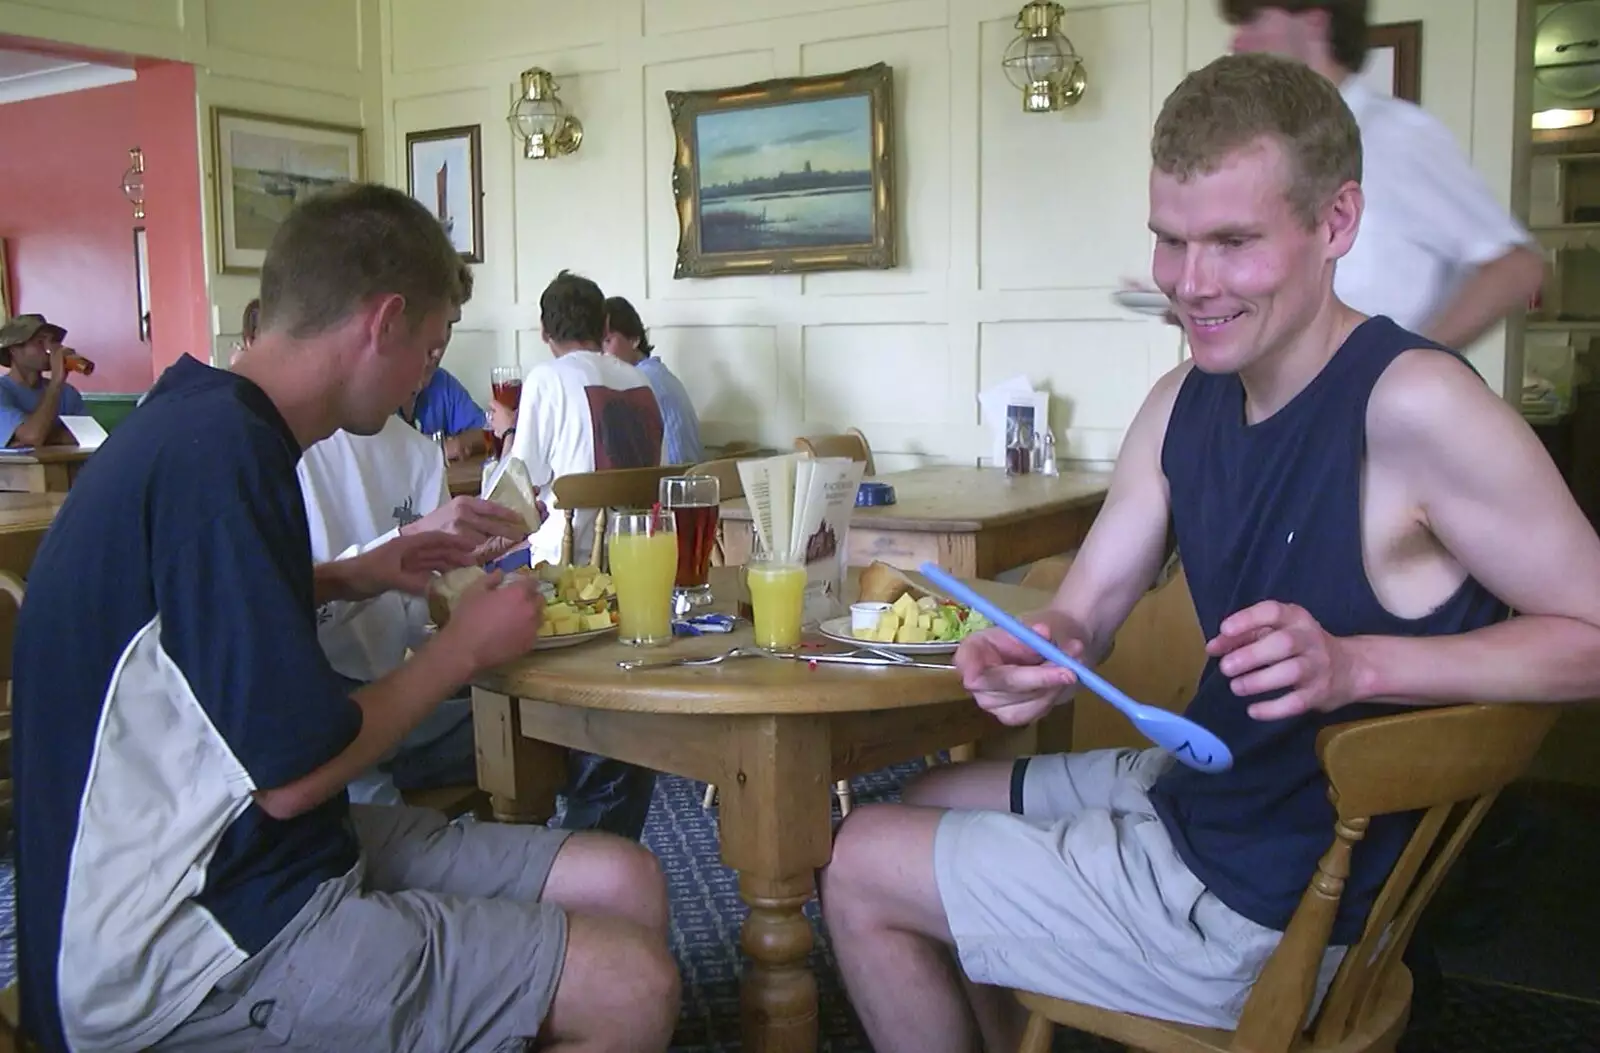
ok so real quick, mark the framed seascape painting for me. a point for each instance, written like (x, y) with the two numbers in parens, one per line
(785, 175)
(1394, 60)
(444, 171)
(264, 165)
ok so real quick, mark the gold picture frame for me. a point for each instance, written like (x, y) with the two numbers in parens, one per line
(796, 146)
(263, 165)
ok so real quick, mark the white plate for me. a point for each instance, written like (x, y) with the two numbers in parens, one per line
(1144, 301)
(552, 643)
(839, 629)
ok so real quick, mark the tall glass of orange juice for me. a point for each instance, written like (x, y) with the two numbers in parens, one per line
(644, 564)
(777, 598)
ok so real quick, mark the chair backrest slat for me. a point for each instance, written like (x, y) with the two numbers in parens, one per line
(852, 444)
(618, 488)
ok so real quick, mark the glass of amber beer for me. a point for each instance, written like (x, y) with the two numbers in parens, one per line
(693, 501)
(505, 383)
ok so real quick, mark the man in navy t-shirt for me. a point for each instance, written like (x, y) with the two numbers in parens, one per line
(1355, 510)
(190, 872)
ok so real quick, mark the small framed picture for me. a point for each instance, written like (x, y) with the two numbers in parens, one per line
(141, 278)
(444, 171)
(1394, 60)
(264, 165)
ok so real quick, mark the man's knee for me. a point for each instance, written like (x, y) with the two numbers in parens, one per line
(619, 987)
(882, 872)
(608, 875)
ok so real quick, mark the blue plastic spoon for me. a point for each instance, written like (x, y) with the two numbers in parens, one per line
(1178, 735)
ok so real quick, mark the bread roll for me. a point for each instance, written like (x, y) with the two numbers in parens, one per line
(882, 583)
(445, 592)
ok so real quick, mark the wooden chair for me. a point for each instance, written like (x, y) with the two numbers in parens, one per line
(851, 444)
(729, 486)
(1156, 657)
(12, 586)
(603, 491)
(1448, 763)
(10, 1012)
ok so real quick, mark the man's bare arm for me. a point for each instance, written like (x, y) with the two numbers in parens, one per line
(1491, 495)
(1127, 544)
(390, 709)
(1494, 290)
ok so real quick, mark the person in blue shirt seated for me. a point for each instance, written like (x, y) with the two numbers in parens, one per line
(32, 404)
(627, 340)
(443, 405)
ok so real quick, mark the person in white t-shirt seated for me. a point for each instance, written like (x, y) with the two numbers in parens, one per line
(586, 411)
(583, 411)
(360, 491)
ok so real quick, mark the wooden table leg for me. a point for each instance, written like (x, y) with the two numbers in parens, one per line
(776, 831)
(521, 775)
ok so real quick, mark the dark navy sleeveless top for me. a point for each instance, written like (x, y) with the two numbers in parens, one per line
(1272, 511)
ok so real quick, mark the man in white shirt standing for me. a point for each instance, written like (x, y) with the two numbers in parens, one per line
(586, 411)
(583, 411)
(1436, 252)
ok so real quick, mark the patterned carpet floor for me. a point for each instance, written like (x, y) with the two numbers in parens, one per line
(1478, 1015)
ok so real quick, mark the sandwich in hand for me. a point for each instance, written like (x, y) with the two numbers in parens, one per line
(511, 488)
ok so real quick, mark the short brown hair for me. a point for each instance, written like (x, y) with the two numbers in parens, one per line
(572, 309)
(1239, 99)
(342, 246)
(1347, 23)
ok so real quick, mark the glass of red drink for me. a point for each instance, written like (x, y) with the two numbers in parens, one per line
(694, 502)
(505, 383)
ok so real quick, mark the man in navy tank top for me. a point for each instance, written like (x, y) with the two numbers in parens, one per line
(1356, 511)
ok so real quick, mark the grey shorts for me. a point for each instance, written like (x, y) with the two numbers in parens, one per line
(435, 942)
(1082, 896)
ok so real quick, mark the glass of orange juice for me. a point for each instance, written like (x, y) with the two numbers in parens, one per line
(777, 599)
(644, 564)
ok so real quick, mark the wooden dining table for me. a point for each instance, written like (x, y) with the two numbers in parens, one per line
(974, 522)
(43, 469)
(24, 518)
(773, 734)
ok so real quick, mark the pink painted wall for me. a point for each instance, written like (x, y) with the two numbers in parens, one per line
(69, 229)
(169, 133)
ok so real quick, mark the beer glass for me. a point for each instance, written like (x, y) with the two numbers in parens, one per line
(694, 502)
(505, 382)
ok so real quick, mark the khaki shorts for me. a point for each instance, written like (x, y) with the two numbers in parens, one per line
(435, 942)
(1082, 896)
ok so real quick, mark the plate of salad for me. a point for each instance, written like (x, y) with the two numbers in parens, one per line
(925, 625)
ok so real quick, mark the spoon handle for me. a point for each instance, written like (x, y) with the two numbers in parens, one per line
(1042, 647)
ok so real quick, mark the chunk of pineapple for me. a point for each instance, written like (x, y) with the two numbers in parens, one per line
(887, 624)
(911, 632)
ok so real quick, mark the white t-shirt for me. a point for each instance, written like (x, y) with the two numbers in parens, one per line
(1430, 220)
(359, 490)
(582, 412)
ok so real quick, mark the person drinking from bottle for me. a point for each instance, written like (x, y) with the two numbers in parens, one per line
(31, 403)
(1356, 510)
